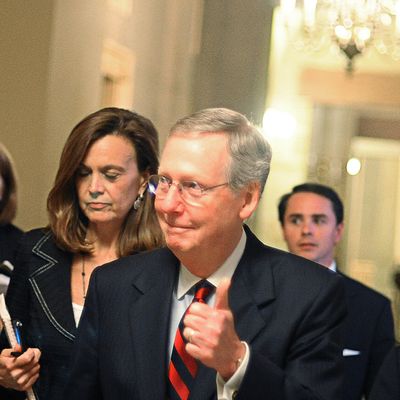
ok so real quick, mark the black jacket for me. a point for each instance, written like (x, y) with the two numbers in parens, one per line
(368, 336)
(289, 310)
(39, 295)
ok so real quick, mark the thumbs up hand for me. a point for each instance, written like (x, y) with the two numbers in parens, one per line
(211, 334)
(221, 295)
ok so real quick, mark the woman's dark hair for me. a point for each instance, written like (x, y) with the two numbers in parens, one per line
(140, 230)
(8, 202)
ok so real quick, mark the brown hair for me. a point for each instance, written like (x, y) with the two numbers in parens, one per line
(8, 202)
(140, 230)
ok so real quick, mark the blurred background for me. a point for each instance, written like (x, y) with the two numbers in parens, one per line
(328, 104)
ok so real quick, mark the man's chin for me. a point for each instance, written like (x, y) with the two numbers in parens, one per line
(308, 254)
(177, 243)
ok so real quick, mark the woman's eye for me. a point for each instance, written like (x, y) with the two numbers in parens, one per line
(82, 172)
(112, 176)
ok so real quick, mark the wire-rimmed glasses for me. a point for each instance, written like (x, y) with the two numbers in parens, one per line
(190, 191)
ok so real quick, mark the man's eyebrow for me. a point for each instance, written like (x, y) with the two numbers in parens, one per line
(295, 215)
(319, 215)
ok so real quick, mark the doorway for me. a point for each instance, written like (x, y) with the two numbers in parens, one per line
(372, 240)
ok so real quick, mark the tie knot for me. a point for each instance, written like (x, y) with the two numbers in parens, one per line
(202, 290)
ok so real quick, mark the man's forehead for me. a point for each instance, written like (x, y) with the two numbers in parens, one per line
(305, 203)
(192, 144)
(195, 157)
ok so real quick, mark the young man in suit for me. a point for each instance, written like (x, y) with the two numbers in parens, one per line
(311, 217)
(271, 329)
(387, 382)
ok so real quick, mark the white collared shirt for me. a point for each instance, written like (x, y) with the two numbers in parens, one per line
(183, 297)
(333, 266)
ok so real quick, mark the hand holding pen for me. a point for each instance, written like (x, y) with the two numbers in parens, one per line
(21, 372)
(19, 369)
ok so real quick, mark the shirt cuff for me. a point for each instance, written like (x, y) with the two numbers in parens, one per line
(228, 390)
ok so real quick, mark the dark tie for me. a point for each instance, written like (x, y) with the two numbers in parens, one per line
(183, 367)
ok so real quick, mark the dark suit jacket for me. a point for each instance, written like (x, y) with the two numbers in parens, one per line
(39, 295)
(288, 310)
(387, 383)
(9, 238)
(369, 330)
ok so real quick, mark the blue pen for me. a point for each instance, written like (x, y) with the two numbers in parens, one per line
(17, 330)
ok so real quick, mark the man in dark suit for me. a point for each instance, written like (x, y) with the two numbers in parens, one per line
(387, 382)
(311, 217)
(272, 329)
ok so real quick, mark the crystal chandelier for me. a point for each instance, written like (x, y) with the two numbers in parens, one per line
(353, 25)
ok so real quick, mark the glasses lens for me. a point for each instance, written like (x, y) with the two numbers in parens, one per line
(152, 184)
(191, 189)
(159, 185)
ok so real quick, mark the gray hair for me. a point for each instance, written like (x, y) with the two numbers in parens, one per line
(249, 150)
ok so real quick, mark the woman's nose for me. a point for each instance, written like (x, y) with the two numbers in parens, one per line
(96, 186)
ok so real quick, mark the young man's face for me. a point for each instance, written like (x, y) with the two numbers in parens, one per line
(310, 228)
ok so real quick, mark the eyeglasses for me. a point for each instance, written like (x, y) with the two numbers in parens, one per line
(190, 191)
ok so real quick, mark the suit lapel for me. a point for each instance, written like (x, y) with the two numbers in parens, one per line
(50, 282)
(250, 294)
(149, 320)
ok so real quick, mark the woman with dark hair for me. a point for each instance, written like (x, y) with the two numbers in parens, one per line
(99, 210)
(9, 233)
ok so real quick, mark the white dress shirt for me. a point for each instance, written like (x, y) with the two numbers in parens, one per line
(183, 297)
(333, 266)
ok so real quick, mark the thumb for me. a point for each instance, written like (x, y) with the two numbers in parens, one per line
(221, 295)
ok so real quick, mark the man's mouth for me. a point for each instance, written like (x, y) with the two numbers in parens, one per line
(307, 246)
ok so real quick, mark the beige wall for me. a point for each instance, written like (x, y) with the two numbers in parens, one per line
(25, 31)
(51, 55)
(50, 76)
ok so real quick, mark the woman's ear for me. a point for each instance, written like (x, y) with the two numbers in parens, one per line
(143, 181)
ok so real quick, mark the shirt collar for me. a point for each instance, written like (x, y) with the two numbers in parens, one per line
(333, 266)
(226, 270)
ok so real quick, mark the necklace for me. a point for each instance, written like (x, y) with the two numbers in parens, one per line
(83, 273)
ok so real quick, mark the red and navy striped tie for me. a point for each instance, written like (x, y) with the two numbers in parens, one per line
(183, 367)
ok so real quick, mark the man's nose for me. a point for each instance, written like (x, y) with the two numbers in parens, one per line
(306, 228)
(172, 202)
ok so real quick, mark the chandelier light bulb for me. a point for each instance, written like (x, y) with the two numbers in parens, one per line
(342, 33)
(347, 23)
(363, 34)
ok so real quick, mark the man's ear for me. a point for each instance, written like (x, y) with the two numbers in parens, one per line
(339, 232)
(251, 197)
